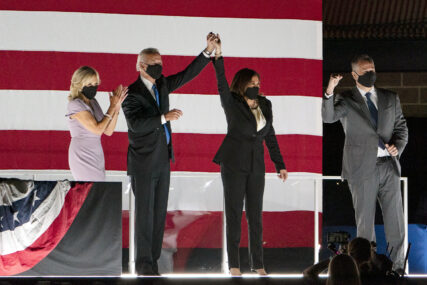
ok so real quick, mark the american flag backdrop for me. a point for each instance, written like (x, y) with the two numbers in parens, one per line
(43, 42)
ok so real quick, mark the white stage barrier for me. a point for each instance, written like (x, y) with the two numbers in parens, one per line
(185, 178)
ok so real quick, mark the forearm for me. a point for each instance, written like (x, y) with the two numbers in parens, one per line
(274, 150)
(332, 111)
(276, 156)
(112, 125)
(88, 121)
(190, 72)
(101, 126)
(136, 118)
(223, 87)
(144, 125)
(400, 132)
(328, 114)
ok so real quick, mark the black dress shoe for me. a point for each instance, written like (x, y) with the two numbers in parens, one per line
(145, 269)
(156, 269)
(400, 271)
(156, 273)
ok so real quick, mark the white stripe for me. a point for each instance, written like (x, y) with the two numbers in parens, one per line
(45, 110)
(11, 192)
(199, 191)
(173, 35)
(26, 234)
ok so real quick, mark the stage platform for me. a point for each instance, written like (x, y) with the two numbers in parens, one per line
(175, 279)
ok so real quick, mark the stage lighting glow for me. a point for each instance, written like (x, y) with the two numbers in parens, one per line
(190, 276)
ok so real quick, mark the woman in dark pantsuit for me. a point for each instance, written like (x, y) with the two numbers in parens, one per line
(241, 157)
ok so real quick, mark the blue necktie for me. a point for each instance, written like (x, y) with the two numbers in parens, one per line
(374, 115)
(156, 92)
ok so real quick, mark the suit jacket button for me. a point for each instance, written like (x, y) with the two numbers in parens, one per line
(254, 135)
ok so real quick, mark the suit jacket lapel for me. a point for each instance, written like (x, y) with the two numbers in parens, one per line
(250, 115)
(244, 108)
(362, 105)
(146, 93)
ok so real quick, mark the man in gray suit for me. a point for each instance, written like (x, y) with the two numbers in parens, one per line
(375, 137)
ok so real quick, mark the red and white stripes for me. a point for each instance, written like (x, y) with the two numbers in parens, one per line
(43, 43)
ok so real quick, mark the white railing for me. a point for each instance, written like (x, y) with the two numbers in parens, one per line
(121, 176)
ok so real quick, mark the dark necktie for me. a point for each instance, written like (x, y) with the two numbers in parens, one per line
(156, 92)
(374, 115)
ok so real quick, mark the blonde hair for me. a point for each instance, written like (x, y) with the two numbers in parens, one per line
(80, 78)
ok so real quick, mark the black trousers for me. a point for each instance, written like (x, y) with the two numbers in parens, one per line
(238, 188)
(151, 191)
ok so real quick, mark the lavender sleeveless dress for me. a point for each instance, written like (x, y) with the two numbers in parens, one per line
(85, 154)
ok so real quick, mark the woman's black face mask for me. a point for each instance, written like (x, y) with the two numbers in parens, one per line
(252, 92)
(90, 91)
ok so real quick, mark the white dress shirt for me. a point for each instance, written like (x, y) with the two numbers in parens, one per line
(374, 98)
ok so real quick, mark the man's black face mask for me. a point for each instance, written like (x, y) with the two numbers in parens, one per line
(154, 70)
(367, 79)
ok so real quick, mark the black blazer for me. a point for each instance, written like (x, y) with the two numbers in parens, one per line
(242, 149)
(148, 150)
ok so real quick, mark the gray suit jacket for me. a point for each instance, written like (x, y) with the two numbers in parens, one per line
(361, 138)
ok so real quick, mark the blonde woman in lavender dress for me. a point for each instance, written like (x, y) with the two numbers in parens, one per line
(87, 123)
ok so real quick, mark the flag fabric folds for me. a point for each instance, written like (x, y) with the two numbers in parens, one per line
(37, 220)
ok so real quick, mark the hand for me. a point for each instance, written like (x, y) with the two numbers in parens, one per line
(210, 41)
(217, 45)
(122, 93)
(117, 97)
(283, 174)
(114, 99)
(333, 82)
(392, 150)
(173, 115)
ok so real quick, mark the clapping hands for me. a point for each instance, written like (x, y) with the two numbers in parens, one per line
(118, 96)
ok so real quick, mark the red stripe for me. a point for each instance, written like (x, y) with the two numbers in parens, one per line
(21, 261)
(273, 9)
(35, 70)
(193, 152)
(190, 229)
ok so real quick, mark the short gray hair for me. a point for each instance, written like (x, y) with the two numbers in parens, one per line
(146, 51)
(358, 58)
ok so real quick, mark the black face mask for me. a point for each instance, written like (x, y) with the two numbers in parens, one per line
(367, 79)
(90, 91)
(252, 92)
(154, 70)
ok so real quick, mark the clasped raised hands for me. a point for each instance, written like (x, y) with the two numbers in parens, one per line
(213, 43)
(210, 39)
